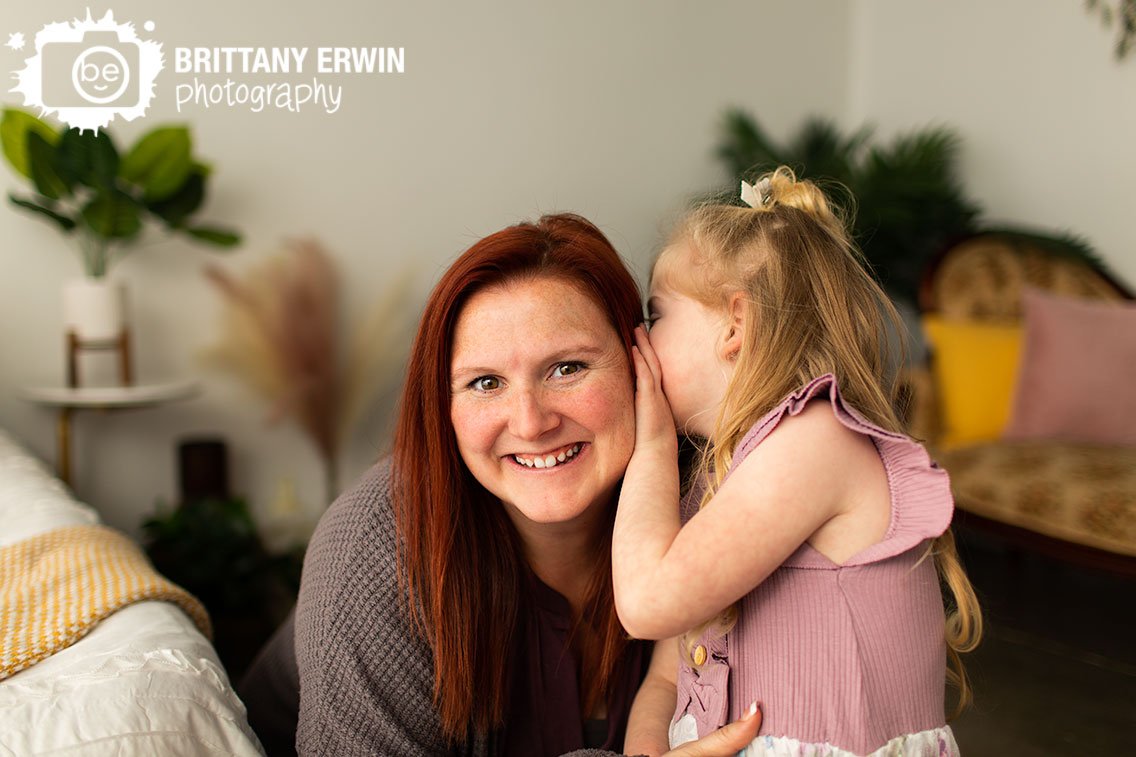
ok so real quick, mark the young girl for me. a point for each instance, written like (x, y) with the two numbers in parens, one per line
(802, 558)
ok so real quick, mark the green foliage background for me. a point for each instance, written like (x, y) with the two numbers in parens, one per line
(905, 195)
(86, 187)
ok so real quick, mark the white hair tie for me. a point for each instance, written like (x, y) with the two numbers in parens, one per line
(759, 195)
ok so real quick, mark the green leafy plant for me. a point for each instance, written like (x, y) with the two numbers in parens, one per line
(908, 200)
(87, 188)
(1123, 14)
(210, 547)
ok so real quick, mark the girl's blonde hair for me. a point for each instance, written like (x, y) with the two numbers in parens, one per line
(812, 308)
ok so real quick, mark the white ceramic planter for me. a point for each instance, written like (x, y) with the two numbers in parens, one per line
(94, 309)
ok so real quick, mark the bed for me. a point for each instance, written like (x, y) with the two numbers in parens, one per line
(143, 681)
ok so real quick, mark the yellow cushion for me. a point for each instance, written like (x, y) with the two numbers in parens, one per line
(975, 367)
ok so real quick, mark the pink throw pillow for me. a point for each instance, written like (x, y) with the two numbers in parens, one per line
(1077, 378)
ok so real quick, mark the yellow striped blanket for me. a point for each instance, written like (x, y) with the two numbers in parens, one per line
(56, 586)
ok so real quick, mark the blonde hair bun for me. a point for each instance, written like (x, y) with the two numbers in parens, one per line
(803, 194)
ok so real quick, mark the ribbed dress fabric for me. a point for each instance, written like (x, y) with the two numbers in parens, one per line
(849, 655)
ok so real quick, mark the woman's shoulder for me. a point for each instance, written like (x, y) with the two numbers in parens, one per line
(366, 675)
(363, 506)
(354, 548)
(367, 500)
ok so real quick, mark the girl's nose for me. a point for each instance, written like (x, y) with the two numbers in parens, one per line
(532, 415)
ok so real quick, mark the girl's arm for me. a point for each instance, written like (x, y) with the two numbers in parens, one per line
(668, 580)
(648, 725)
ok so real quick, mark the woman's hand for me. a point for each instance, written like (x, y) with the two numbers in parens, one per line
(727, 741)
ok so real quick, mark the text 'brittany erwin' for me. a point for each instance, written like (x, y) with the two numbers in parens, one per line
(288, 60)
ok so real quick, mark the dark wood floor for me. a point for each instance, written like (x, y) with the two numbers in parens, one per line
(1057, 672)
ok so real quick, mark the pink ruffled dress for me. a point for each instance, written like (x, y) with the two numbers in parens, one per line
(846, 659)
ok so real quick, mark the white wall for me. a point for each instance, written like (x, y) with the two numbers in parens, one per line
(507, 110)
(510, 109)
(1046, 113)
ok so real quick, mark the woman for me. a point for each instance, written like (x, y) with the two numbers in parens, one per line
(458, 599)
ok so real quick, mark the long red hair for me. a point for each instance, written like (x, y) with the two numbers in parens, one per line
(461, 559)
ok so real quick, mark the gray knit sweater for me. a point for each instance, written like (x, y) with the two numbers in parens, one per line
(366, 679)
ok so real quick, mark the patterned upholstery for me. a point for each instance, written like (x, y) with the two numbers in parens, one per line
(1085, 494)
(981, 279)
(1075, 492)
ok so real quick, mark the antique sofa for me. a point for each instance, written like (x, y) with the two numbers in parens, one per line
(1028, 399)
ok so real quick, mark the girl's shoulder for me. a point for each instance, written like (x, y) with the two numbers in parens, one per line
(816, 420)
(796, 404)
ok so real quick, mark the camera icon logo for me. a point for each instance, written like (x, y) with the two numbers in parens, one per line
(89, 72)
(96, 71)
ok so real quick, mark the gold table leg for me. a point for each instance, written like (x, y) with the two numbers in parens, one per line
(63, 444)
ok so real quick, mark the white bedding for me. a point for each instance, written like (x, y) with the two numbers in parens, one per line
(142, 682)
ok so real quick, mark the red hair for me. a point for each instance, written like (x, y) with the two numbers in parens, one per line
(461, 559)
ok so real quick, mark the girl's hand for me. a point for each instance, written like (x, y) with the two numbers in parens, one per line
(647, 519)
(654, 424)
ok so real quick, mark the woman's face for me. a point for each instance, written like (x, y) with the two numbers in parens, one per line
(542, 400)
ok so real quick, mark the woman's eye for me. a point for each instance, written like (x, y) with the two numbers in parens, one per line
(650, 321)
(567, 369)
(485, 383)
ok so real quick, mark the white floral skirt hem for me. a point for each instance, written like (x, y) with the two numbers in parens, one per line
(938, 742)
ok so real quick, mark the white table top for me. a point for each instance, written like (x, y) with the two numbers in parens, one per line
(137, 395)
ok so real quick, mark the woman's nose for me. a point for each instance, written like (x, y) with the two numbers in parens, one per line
(532, 415)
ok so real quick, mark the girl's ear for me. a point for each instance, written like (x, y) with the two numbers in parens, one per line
(735, 327)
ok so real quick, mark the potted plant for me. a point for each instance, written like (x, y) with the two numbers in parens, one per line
(210, 547)
(103, 198)
(209, 544)
(909, 201)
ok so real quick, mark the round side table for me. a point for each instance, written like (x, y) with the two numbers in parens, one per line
(69, 400)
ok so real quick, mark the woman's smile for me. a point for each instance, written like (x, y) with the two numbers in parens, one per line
(557, 458)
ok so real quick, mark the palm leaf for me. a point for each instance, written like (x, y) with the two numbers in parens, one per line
(745, 146)
(909, 199)
(821, 152)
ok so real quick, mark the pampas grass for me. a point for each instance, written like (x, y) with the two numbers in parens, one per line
(280, 336)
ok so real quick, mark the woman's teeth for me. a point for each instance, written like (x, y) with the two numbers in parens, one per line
(548, 461)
